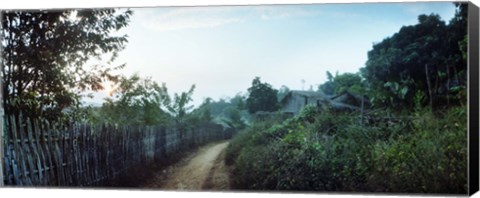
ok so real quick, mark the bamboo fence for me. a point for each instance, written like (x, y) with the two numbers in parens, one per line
(38, 153)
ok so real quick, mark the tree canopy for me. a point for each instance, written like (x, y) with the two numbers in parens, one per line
(179, 107)
(261, 97)
(423, 59)
(135, 101)
(45, 55)
(351, 82)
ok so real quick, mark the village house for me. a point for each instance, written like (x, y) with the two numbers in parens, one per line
(294, 101)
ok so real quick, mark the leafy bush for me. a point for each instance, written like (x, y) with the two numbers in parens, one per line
(243, 139)
(433, 159)
(327, 151)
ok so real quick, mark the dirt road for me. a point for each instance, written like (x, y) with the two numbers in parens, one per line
(202, 170)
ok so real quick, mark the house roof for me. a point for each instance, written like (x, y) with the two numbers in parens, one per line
(341, 94)
(356, 96)
(310, 94)
(327, 98)
(339, 105)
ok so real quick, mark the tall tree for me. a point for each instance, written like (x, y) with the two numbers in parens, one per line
(45, 55)
(261, 97)
(419, 58)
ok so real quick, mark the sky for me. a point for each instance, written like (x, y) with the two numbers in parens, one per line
(221, 49)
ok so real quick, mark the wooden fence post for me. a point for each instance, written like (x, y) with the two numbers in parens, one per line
(53, 154)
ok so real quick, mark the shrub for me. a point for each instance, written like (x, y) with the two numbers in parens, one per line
(432, 159)
(326, 151)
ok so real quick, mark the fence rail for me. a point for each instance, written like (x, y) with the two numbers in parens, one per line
(37, 153)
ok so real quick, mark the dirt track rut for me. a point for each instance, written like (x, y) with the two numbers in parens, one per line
(202, 170)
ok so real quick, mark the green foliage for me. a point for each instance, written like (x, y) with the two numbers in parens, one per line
(426, 57)
(179, 107)
(45, 55)
(347, 82)
(435, 155)
(261, 97)
(351, 82)
(282, 92)
(327, 151)
(204, 112)
(238, 102)
(228, 111)
(241, 140)
(134, 101)
(234, 118)
(329, 86)
(308, 113)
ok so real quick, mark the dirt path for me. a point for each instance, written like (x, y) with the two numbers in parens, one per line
(201, 170)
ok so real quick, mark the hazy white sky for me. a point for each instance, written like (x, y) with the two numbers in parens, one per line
(221, 49)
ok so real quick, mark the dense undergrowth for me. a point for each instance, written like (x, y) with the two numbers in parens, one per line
(329, 151)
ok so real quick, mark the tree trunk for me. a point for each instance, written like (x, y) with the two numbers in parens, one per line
(437, 80)
(448, 86)
(430, 95)
(456, 74)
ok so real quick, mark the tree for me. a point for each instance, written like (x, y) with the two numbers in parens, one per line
(329, 86)
(180, 109)
(261, 97)
(238, 101)
(234, 118)
(282, 92)
(135, 101)
(420, 58)
(348, 82)
(458, 33)
(230, 111)
(351, 82)
(45, 55)
(203, 113)
(179, 106)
